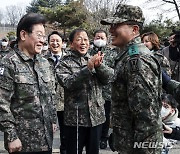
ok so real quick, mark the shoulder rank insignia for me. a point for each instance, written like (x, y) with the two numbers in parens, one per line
(133, 50)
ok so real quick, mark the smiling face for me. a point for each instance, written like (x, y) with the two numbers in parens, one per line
(121, 34)
(32, 43)
(55, 43)
(80, 42)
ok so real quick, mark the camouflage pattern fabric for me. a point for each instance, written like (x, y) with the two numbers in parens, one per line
(59, 97)
(26, 101)
(82, 90)
(136, 102)
(109, 60)
(164, 62)
(4, 52)
(125, 13)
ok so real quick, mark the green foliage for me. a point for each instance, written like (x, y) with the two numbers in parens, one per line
(11, 33)
(163, 28)
(68, 1)
(66, 16)
(36, 4)
(69, 14)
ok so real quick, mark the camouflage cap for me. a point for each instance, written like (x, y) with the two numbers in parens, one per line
(125, 13)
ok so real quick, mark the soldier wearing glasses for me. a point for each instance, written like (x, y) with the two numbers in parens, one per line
(28, 115)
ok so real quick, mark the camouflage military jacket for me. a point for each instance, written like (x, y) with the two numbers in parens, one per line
(136, 92)
(26, 102)
(4, 52)
(59, 97)
(163, 61)
(109, 60)
(82, 90)
(175, 65)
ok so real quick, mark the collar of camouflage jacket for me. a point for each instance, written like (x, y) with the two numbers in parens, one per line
(124, 51)
(23, 55)
(5, 50)
(78, 55)
(136, 40)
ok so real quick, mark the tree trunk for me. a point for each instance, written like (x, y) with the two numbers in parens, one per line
(176, 6)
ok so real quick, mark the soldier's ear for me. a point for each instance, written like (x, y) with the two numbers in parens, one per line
(135, 29)
(23, 34)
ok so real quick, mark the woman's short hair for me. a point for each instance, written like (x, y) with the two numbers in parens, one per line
(153, 38)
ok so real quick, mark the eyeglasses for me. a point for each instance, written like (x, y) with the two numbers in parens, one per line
(40, 36)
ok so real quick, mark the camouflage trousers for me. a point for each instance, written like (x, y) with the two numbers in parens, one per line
(125, 142)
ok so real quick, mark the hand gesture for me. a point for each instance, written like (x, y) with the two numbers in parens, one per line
(54, 126)
(99, 59)
(15, 146)
(91, 61)
(167, 129)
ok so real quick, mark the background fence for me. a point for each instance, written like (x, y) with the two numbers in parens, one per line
(4, 30)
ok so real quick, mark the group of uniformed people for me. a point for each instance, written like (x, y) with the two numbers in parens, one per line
(74, 85)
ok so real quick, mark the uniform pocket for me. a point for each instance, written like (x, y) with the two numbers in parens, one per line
(25, 85)
(46, 79)
(48, 86)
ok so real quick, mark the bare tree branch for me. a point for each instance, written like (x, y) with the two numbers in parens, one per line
(168, 1)
(163, 3)
(14, 13)
(100, 9)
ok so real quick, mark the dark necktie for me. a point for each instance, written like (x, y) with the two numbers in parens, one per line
(56, 58)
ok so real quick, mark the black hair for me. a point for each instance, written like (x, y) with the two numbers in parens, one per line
(166, 42)
(12, 44)
(169, 99)
(171, 34)
(57, 33)
(27, 22)
(73, 33)
(100, 31)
